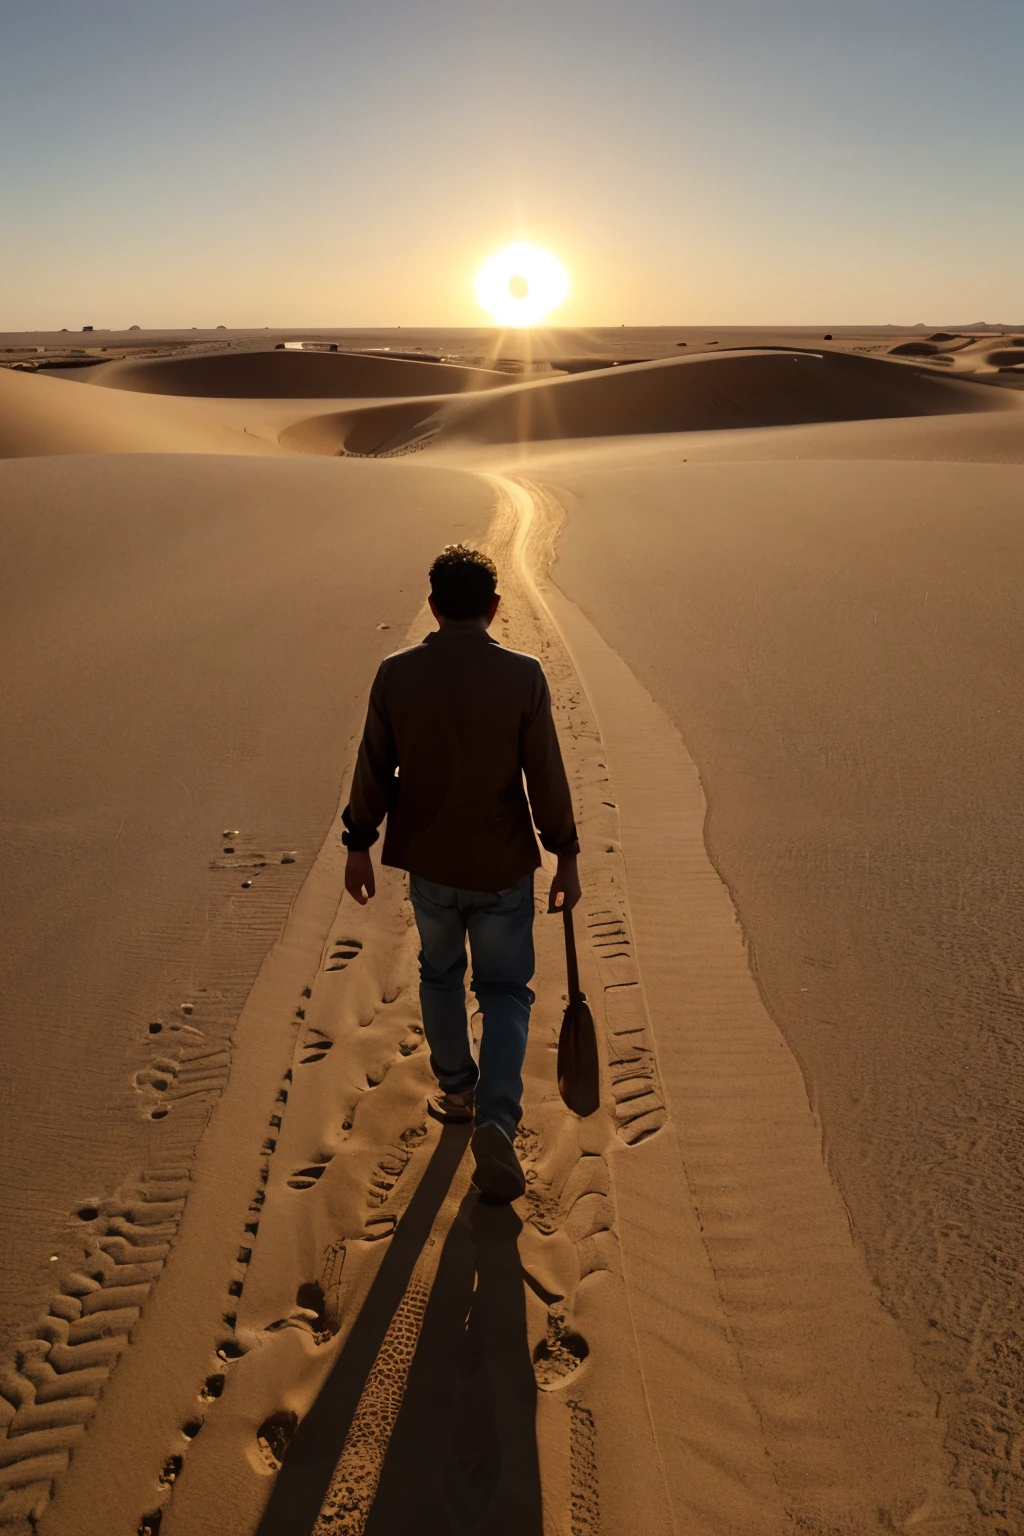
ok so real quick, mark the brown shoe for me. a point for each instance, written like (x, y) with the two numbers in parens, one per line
(498, 1174)
(451, 1108)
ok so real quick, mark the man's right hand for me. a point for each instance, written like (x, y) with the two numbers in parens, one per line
(359, 880)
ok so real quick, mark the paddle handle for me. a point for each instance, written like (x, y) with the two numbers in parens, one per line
(571, 964)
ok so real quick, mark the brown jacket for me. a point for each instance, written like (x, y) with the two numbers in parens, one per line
(452, 727)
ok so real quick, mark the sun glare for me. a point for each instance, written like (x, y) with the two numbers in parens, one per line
(521, 284)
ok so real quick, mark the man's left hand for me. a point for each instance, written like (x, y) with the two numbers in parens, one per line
(565, 887)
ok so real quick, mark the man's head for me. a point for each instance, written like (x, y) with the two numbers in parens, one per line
(463, 585)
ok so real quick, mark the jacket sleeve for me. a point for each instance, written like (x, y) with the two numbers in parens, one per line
(546, 783)
(373, 780)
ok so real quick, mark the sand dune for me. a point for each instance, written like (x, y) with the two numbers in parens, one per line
(966, 354)
(40, 416)
(282, 375)
(1006, 357)
(841, 645)
(245, 1288)
(987, 437)
(705, 393)
(184, 652)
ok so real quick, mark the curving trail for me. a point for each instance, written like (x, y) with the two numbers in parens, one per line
(674, 1332)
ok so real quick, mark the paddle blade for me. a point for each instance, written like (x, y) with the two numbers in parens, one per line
(579, 1077)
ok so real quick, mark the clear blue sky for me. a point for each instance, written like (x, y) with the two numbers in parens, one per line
(251, 162)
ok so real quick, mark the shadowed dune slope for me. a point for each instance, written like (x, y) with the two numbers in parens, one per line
(40, 416)
(740, 389)
(292, 376)
(965, 354)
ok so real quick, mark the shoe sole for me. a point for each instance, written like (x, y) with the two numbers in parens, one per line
(498, 1175)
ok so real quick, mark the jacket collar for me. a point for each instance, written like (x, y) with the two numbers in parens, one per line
(466, 631)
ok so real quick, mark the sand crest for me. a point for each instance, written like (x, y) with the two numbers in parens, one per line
(282, 374)
(42, 416)
(690, 394)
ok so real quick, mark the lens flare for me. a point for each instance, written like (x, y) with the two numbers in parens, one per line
(521, 284)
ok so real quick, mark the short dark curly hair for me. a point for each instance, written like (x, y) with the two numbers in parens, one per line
(462, 582)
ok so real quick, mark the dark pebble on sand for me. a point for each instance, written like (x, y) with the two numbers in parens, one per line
(155, 1028)
(246, 884)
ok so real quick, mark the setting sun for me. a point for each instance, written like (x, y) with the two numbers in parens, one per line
(521, 284)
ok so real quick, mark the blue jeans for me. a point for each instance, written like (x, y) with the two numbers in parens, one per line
(500, 929)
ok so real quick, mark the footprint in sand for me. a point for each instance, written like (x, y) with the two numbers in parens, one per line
(559, 1354)
(157, 1075)
(315, 1050)
(274, 1437)
(342, 951)
(309, 1314)
(305, 1178)
(377, 1227)
(170, 1470)
(385, 1176)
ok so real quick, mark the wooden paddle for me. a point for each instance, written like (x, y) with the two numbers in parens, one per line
(579, 1077)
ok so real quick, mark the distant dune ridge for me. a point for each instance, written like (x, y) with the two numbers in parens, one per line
(691, 394)
(282, 374)
(707, 392)
(774, 1283)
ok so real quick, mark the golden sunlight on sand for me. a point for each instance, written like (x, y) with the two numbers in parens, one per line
(772, 1284)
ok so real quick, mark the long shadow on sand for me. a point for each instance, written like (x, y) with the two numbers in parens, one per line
(463, 1456)
(313, 1454)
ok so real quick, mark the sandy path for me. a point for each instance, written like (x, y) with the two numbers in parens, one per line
(697, 1346)
(322, 1298)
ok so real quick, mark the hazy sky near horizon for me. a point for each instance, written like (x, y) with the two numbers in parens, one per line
(250, 162)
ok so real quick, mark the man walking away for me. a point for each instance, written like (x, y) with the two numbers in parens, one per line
(453, 726)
